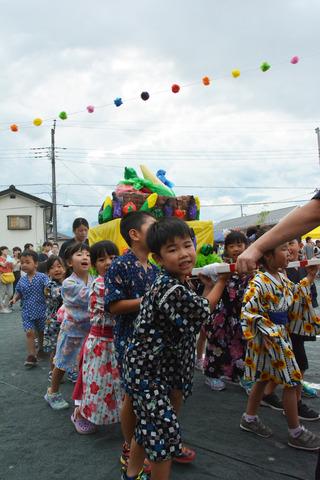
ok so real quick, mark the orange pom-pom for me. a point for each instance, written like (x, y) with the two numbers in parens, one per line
(14, 127)
(206, 81)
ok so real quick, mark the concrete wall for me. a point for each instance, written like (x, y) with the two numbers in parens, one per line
(21, 206)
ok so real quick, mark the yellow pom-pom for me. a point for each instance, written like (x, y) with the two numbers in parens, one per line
(152, 200)
(235, 73)
(37, 122)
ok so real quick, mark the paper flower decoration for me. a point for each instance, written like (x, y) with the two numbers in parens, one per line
(63, 115)
(145, 96)
(129, 207)
(118, 101)
(264, 67)
(294, 60)
(206, 81)
(14, 127)
(175, 88)
(37, 122)
(149, 203)
(235, 73)
(90, 108)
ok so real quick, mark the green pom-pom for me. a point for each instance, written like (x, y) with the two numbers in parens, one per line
(264, 67)
(63, 115)
(157, 212)
(206, 249)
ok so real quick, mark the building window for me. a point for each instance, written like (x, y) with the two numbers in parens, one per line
(19, 222)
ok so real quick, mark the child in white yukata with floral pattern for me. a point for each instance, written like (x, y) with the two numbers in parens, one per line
(273, 307)
(98, 387)
(76, 321)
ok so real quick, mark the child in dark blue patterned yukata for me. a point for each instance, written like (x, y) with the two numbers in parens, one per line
(159, 361)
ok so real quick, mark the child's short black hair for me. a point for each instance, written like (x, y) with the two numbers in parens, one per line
(52, 259)
(27, 246)
(235, 237)
(299, 240)
(3, 248)
(78, 222)
(47, 244)
(30, 253)
(76, 247)
(132, 221)
(164, 230)
(100, 249)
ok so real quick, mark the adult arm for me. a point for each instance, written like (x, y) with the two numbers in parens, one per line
(297, 223)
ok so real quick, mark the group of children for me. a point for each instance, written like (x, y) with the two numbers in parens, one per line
(127, 330)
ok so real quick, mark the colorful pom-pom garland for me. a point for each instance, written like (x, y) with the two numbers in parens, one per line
(175, 88)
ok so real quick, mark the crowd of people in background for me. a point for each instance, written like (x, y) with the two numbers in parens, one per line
(124, 330)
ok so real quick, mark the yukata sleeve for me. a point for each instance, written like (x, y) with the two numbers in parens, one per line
(116, 283)
(96, 299)
(75, 293)
(254, 317)
(19, 288)
(182, 307)
(303, 319)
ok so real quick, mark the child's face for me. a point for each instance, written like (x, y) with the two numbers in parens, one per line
(139, 236)
(178, 257)
(103, 264)
(28, 265)
(80, 262)
(57, 271)
(233, 250)
(5, 252)
(55, 249)
(279, 258)
(293, 249)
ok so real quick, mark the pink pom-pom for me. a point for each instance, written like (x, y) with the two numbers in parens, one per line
(294, 60)
(90, 108)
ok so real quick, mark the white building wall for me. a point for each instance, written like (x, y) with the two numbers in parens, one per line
(21, 206)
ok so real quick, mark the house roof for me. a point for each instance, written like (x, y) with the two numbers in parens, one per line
(269, 218)
(13, 190)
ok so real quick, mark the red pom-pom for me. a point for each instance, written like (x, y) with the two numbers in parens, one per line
(179, 213)
(175, 88)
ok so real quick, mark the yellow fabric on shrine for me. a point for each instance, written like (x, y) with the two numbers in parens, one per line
(203, 230)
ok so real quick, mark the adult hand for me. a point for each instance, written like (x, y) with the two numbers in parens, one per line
(206, 281)
(247, 261)
(312, 272)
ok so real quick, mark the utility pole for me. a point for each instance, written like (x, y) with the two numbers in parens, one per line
(318, 138)
(54, 184)
(241, 209)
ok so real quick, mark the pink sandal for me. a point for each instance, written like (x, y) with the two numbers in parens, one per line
(82, 425)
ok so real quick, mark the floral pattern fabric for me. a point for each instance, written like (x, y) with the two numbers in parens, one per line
(225, 347)
(269, 354)
(101, 396)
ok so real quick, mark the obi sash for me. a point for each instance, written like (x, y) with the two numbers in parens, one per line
(279, 318)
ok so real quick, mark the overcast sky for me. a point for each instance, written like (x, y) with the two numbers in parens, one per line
(253, 131)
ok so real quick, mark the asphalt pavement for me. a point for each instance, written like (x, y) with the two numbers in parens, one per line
(38, 443)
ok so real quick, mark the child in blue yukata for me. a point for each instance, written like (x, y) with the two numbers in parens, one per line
(127, 280)
(159, 361)
(30, 289)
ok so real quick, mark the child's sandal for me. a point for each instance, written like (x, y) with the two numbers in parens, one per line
(82, 425)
